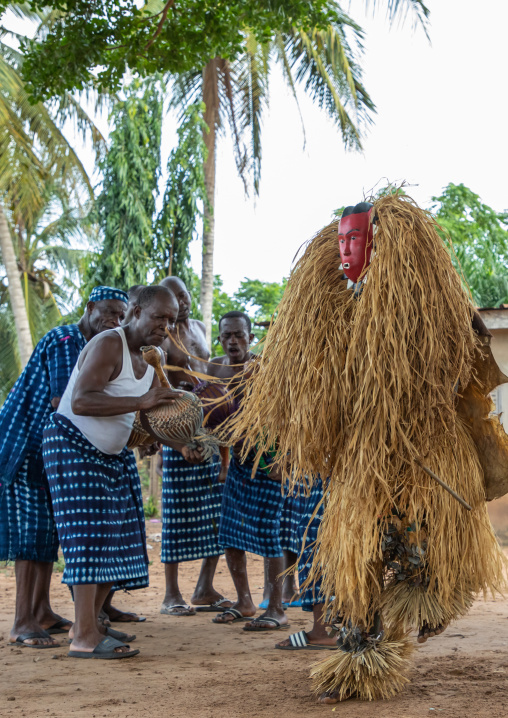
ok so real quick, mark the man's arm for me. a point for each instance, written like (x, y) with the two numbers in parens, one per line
(100, 364)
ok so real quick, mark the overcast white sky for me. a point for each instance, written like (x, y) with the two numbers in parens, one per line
(442, 117)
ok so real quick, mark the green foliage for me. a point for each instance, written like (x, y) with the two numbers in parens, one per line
(322, 61)
(480, 239)
(126, 205)
(150, 507)
(113, 35)
(45, 194)
(10, 365)
(256, 298)
(59, 565)
(184, 199)
(50, 271)
(260, 299)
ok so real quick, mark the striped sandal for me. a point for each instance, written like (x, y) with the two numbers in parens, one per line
(298, 642)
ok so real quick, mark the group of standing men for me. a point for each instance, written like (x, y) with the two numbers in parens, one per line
(66, 476)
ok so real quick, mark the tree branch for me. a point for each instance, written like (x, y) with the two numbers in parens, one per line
(156, 34)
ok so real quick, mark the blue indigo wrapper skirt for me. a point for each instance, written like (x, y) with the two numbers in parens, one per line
(191, 507)
(251, 511)
(290, 519)
(98, 509)
(27, 526)
(312, 595)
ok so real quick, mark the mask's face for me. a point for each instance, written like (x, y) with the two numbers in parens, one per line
(355, 244)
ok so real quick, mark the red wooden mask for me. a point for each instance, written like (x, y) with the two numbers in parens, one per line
(355, 240)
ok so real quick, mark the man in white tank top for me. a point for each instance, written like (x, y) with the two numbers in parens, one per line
(97, 514)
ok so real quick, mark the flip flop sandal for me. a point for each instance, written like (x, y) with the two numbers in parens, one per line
(20, 640)
(105, 650)
(237, 616)
(274, 624)
(299, 642)
(213, 607)
(132, 618)
(58, 627)
(170, 610)
(120, 635)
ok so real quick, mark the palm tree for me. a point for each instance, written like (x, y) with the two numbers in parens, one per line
(48, 270)
(236, 92)
(33, 150)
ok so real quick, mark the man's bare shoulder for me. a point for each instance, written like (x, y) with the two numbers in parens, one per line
(217, 367)
(106, 340)
(106, 345)
(197, 324)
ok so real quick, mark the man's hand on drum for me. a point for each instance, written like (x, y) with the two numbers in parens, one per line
(193, 456)
(148, 450)
(157, 396)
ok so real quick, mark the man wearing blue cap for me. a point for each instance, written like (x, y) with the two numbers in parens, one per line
(92, 477)
(27, 528)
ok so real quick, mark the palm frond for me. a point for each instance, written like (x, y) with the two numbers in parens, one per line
(10, 365)
(324, 62)
(187, 89)
(279, 48)
(68, 108)
(399, 10)
(251, 79)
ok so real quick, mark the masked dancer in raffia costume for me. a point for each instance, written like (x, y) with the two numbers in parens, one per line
(376, 374)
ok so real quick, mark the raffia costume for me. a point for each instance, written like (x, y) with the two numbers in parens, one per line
(365, 389)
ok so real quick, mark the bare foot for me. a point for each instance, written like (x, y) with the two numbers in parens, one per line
(103, 619)
(41, 638)
(177, 609)
(87, 643)
(117, 616)
(329, 698)
(270, 620)
(332, 697)
(208, 599)
(312, 639)
(427, 632)
(50, 619)
(245, 610)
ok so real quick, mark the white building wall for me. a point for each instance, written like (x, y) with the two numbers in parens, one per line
(499, 345)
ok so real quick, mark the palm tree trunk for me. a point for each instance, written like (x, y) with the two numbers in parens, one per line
(15, 291)
(211, 100)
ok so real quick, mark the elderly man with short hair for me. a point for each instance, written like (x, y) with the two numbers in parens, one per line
(92, 476)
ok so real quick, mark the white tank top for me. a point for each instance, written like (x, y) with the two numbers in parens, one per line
(109, 433)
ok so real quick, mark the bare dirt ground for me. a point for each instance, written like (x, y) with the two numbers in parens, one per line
(191, 668)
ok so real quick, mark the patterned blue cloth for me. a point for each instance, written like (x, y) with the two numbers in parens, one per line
(290, 518)
(27, 526)
(97, 507)
(28, 406)
(251, 511)
(101, 294)
(307, 505)
(191, 506)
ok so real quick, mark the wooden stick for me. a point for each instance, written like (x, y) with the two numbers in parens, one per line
(152, 356)
(445, 486)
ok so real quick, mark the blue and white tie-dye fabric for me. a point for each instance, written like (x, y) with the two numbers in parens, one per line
(307, 505)
(251, 511)
(28, 405)
(290, 519)
(191, 506)
(27, 527)
(97, 508)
